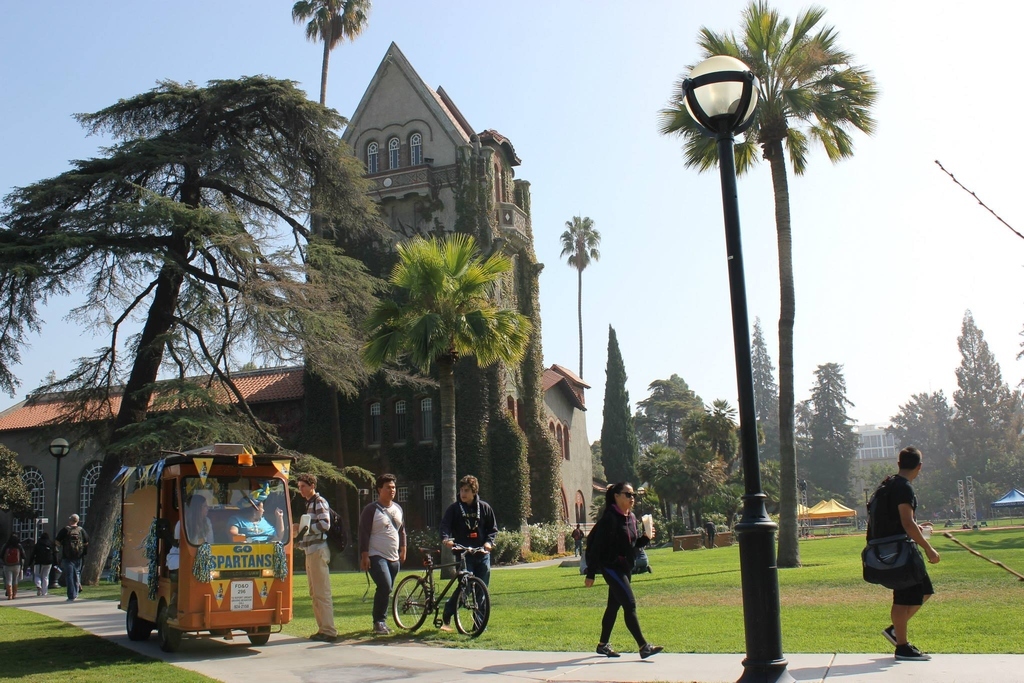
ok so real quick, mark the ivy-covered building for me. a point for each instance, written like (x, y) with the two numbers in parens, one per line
(521, 429)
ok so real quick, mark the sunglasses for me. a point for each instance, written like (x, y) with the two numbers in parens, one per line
(628, 494)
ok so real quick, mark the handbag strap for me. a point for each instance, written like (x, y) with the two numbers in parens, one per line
(890, 539)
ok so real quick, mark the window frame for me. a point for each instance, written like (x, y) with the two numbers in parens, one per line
(415, 149)
(372, 157)
(394, 153)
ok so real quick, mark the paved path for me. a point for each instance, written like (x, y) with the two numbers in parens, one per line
(287, 659)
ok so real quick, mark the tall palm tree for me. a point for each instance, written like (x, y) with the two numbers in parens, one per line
(331, 21)
(809, 90)
(445, 312)
(580, 242)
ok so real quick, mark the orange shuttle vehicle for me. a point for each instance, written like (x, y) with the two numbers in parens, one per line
(206, 545)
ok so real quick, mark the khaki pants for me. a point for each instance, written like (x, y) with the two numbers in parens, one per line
(318, 574)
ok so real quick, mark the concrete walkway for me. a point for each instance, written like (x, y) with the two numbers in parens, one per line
(287, 659)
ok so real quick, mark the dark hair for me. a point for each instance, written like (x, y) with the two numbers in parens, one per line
(308, 479)
(14, 539)
(470, 481)
(609, 494)
(44, 536)
(910, 458)
(383, 479)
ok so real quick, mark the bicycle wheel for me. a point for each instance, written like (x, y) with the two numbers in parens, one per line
(474, 607)
(409, 606)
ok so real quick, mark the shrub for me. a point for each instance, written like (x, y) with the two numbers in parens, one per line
(508, 547)
(544, 537)
(421, 538)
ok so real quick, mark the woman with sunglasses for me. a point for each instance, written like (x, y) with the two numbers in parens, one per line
(611, 550)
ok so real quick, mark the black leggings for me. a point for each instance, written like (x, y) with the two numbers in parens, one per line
(620, 594)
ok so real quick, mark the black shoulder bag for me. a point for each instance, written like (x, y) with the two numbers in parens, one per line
(893, 561)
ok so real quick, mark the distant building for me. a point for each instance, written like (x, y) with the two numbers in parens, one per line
(876, 447)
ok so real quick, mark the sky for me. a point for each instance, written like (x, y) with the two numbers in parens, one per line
(888, 252)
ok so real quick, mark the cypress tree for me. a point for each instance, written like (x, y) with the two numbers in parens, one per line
(618, 437)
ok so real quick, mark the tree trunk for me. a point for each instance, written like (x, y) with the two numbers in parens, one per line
(446, 378)
(789, 548)
(339, 461)
(134, 405)
(323, 69)
(579, 310)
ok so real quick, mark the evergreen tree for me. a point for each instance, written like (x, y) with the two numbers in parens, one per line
(596, 462)
(660, 417)
(924, 421)
(14, 496)
(982, 431)
(766, 393)
(833, 443)
(619, 445)
(181, 223)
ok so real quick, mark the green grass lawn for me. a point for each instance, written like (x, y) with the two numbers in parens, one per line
(34, 648)
(692, 603)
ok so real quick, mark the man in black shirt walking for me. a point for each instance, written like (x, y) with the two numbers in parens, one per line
(892, 510)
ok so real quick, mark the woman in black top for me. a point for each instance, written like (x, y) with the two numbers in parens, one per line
(611, 550)
(41, 561)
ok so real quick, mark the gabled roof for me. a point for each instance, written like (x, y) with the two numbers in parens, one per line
(451, 120)
(256, 386)
(573, 391)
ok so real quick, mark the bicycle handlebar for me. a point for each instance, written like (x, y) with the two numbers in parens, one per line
(471, 551)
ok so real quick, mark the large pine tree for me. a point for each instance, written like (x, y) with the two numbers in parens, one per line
(982, 431)
(766, 393)
(833, 443)
(619, 447)
(181, 224)
(924, 421)
(660, 417)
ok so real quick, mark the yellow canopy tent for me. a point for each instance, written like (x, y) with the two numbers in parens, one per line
(827, 509)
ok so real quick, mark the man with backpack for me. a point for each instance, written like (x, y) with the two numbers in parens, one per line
(74, 545)
(312, 540)
(891, 513)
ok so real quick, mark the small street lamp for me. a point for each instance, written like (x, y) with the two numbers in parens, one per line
(58, 449)
(721, 96)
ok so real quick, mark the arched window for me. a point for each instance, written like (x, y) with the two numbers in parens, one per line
(415, 149)
(559, 439)
(551, 426)
(401, 423)
(580, 508)
(87, 487)
(372, 164)
(426, 419)
(374, 424)
(36, 486)
(394, 148)
(565, 506)
(565, 443)
(511, 407)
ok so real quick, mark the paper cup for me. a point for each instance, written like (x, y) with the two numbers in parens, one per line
(926, 531)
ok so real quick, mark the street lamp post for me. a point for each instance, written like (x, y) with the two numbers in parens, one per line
(58, 449)
(721, 96)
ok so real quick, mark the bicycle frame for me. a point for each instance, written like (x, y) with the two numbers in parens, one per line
(416, 596)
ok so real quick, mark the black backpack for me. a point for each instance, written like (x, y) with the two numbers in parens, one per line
(336, 534)
(73, 546)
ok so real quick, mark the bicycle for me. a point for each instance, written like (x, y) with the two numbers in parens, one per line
(416, 597)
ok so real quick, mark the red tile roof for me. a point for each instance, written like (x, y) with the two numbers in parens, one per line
(555, 376)
(257, 386)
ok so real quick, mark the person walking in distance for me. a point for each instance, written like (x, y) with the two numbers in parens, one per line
(709, 529)
(42, 560)
(577, 539)
(74, 546)
(382, 546)
(13, 554)
(469, 522)
(312, 540)
(611, 550)
(890, 513)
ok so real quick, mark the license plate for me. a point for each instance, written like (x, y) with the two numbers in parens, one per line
(242, 595)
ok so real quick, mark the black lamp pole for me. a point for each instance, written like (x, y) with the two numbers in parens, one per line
(58, 449)
(756, 531)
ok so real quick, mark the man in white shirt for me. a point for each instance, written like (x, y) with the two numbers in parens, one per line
(382, 546)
